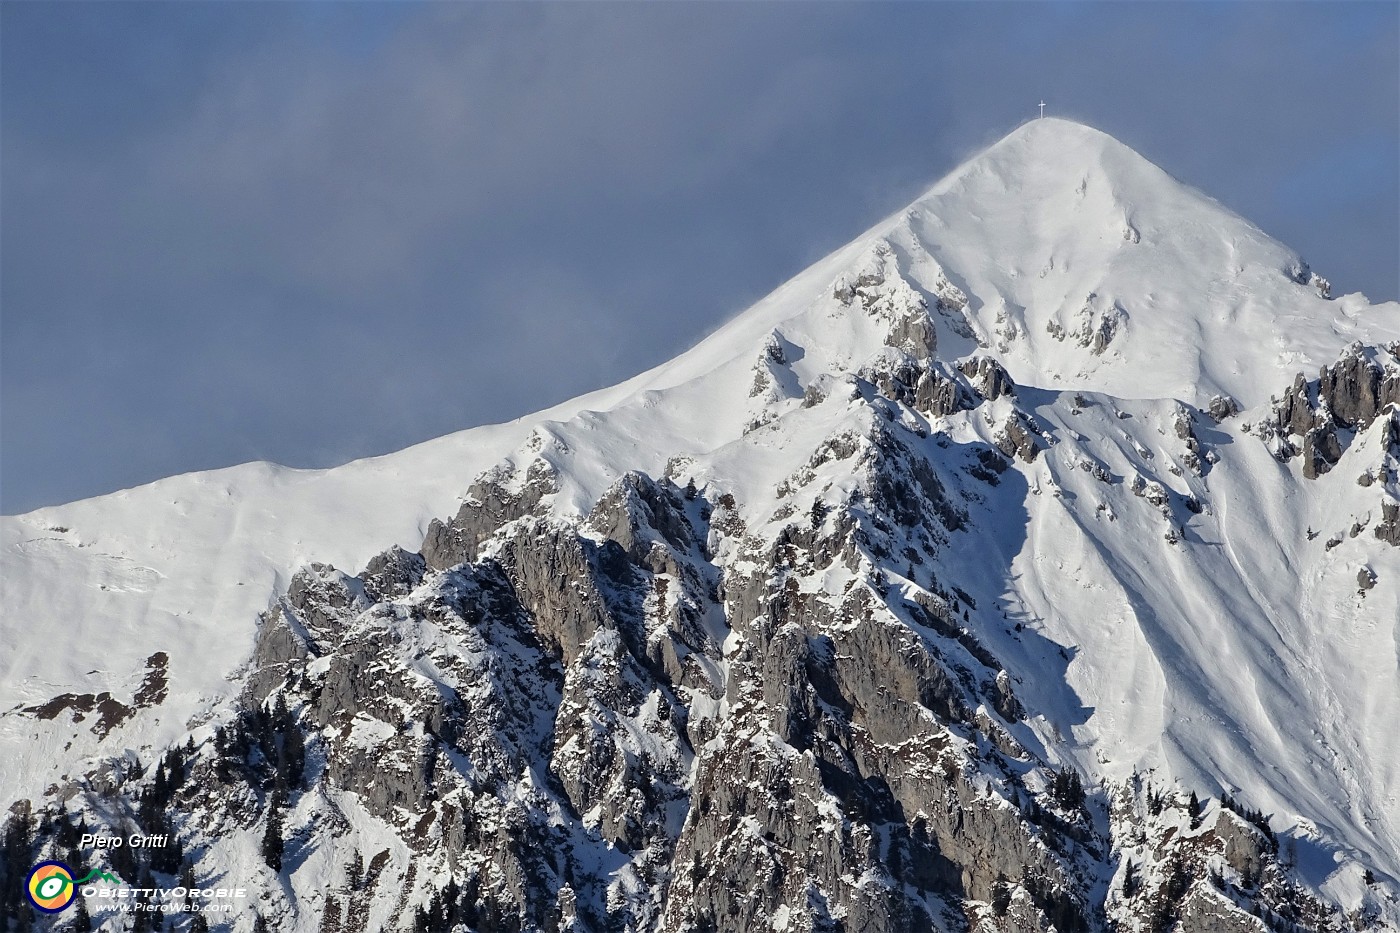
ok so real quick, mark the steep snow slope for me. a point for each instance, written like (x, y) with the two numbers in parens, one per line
(1239, 655)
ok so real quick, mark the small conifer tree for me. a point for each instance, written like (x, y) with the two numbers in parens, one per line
(1001, 896)
(1130, 879)
(272, 843)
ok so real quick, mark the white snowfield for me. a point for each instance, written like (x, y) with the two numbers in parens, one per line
(1242, 657)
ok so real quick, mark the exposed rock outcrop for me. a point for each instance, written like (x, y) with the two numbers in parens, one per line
(988, 377)
(1388, 528)
(1347, 396)
(1019, 437)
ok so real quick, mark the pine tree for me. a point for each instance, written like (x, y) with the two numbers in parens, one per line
(1193, 810)
(451, 903)
(894, 861)
(272, 843)
(82, 921)
(355, 871)
(146, 921)
(66, 836)
(1177, 882)
(16, 841)
(330, 920)
(1067, 787)
(1001, 896)
(293, 755)
(175, 769)
(1130, 879)
(123, 862)
(170, 858)
(280, 713)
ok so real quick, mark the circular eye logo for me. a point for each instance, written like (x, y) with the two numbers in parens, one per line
(51, 887)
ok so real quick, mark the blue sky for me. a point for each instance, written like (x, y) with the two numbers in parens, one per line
(309, 232)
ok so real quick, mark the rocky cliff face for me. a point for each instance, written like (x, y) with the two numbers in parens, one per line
(1346, 397)
(1329, 413)
(669, 715)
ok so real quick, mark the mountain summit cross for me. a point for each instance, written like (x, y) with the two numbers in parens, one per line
(1042, 109)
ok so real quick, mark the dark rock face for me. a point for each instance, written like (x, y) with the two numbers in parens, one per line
(915, 334)
(939, 396)
(1184, 423)
(1321, 450)
(927, 387)
(1018, 437)
(1223, 407)
(393, 574)
(1388, 529)
(1348, 395)
(988, 377)
(1355, 389)
(490, 504)
(1246, 849)
(546, 661)
(110, 712)
(930, 387)
(1295, 413)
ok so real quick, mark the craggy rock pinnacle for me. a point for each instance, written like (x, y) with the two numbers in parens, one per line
(988, 377)
(491, 502)
(1018, 437)
(1388, 529)
(1295, 413)
(1321, 450)
(1223, 407)
(1350, 394)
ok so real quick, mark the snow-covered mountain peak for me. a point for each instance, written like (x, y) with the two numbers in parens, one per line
(1077, 263)
(1087, 266)
(1022, 430)
(1051, 146)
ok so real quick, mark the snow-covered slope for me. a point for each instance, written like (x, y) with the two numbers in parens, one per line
(1199, 618)
(1063, 237)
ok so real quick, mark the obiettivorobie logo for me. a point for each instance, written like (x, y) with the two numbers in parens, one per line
(51, 886)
